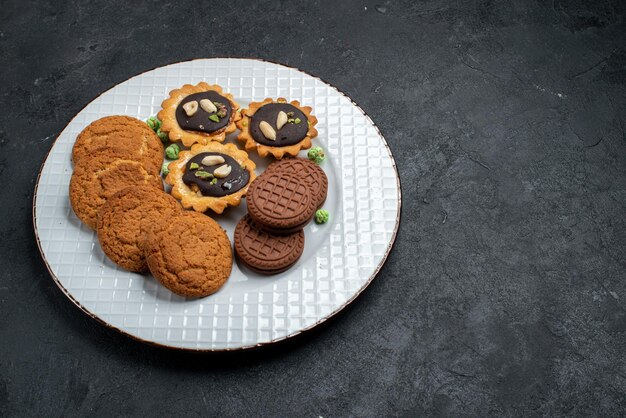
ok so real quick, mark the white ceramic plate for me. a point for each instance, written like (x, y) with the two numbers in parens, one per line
(340, 258)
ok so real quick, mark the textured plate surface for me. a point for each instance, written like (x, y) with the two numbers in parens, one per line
(339, 260)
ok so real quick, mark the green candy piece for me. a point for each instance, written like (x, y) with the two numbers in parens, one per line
(321, 216)
(297, 120)
(165, 168)
(203, 174)
(162, 135)
(154, 123)
(316, 154)
(214, 118)
(172, 151)
(193, 166)
(214, 181)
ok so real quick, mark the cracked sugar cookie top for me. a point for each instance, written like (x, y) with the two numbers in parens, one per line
(120, 137)
(125, 219)
(96, 179)
(189, 254)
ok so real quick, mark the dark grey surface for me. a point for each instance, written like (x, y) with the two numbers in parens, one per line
(505, 292)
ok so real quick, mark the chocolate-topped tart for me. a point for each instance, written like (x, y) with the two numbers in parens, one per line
(215, 174)
(277, 127)
(212, 176)
(198, 114)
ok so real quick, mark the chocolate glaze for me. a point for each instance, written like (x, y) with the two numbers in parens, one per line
(200, 120)
(289, 134)
(236, 180)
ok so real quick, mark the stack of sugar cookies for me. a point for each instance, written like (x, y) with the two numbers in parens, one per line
(110, 154)
(116, 189)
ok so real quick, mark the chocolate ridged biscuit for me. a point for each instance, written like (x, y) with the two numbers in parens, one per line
(189, 254)
(120, 137)
(96, 179)
(264, 252)
(281, 202)
(309, 171)
(124, 220)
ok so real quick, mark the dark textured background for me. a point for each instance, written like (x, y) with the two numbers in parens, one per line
(505, 292)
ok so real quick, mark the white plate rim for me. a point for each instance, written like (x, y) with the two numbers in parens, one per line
(247, 347)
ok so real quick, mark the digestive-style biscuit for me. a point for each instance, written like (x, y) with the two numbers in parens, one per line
(189, 254)
(120, 137)
(124, 221)
(264, 252)
(309, 171)
(96, 179)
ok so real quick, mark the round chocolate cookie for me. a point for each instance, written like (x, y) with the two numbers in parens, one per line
(120, 137)
(281, 202)
(308, 170)
(264, 252)
(124, 221)
(189, 254)
(202, 121)
(290, 133)
(200, 171)
(98, 178)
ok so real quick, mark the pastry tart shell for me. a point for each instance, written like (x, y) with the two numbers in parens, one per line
(169, 124)
(278, 152)
(190, 198)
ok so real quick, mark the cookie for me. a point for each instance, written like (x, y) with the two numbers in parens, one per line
(124, 221)
(277, 127)
(189, 254)
(98, 178)
(194, 183)
(198, 114)
(264, 252)
(281, 202)
(120, 137)
(311, 172)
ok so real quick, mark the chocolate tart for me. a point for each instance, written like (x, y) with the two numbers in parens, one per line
(202, 184)
(263, 130)
(202, 125)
